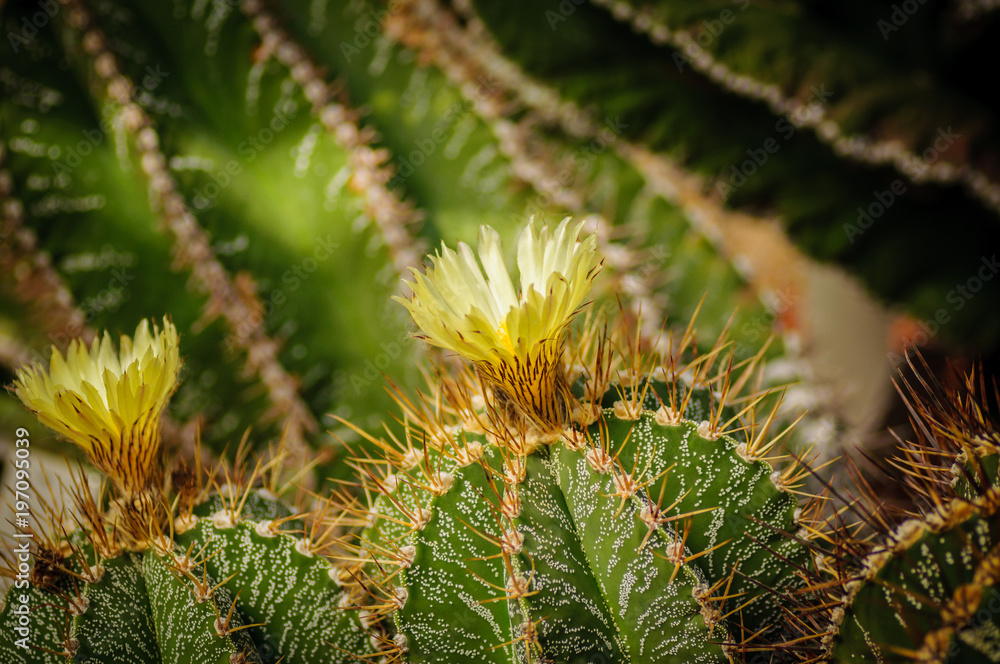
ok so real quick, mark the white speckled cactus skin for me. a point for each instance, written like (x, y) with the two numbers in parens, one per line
(237, 582)
(616, 541)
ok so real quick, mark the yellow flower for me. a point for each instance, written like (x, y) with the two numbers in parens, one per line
(109, 403)
(515, 338)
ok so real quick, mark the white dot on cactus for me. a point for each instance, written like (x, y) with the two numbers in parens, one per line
(674, 552)
(332, 115)
(648, 514)
(908, 532)
(316, 91)
(407, 554)
(743, 450)
(267, 495)
(625, 486)
(510, 504)
(574, 439)
(153, 162)
(290, 54)
(368, 618)
(411, 459)
(223, 519)
(133, 117)
(104, 65)
(514, 471)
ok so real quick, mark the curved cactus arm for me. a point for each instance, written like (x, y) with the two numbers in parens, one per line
(835, 88)
(455, 609)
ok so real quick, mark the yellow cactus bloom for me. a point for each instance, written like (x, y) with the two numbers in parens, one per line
(109, 403)
(515, 338)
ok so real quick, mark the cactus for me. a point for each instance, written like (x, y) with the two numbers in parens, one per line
(935, 573)
(642, 521)
(238, 583)
(603, 514)
(164, 570)
(563, 497)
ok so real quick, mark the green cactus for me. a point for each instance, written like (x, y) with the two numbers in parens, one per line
(937, 572)
(649, 535)
(163, 564)
(563, 499)
(238, 580)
